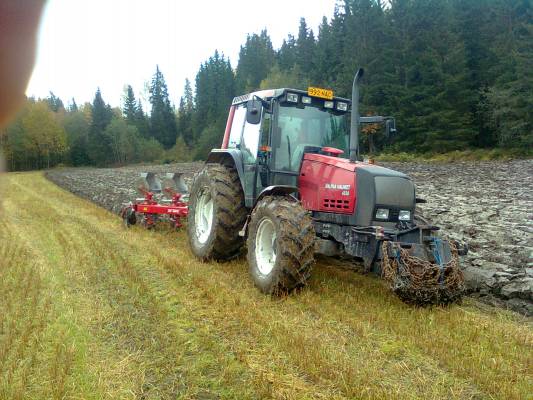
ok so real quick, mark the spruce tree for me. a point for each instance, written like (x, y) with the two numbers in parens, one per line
(130, 106)
(185, 115)
(188, 95)
(256, 59)
(287, 53)
(73, 106)
(54, 103)
(162, 120)
(141, 120)
(215, 89)
(305, 48)
(99, 146)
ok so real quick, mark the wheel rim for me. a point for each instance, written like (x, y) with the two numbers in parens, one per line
(203, 217)
(265, 246)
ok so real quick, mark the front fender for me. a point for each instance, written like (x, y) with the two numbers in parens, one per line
(278, 190)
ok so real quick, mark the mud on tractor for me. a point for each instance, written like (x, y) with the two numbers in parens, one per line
(279, 184)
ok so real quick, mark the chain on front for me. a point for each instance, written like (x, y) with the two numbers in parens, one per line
(419, 281)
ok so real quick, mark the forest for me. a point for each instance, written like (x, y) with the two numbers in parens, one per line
(456, 74)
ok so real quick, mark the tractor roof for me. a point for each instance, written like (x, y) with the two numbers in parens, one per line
(275, 93)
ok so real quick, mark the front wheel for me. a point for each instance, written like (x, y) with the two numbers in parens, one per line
(281, 245)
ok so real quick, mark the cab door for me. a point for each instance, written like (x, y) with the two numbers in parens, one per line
(249, 147)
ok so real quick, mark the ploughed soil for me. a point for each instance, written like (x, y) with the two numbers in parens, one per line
(487, 205)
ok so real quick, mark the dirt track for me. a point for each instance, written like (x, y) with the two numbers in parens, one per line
(489, 205)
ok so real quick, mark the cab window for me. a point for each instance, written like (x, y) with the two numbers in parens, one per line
(236, 126)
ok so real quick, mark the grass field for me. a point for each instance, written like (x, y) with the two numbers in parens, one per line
(89, 310)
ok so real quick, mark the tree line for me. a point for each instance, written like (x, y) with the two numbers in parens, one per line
(47, 133)
(456, 74)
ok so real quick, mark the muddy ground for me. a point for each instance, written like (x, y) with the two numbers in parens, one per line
(488, 205)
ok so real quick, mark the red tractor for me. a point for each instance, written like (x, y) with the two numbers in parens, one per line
(279, 183)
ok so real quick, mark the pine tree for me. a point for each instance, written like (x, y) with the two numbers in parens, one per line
(305, 48)
(287, 53)
(327, 55)
(77, 129)
(188, 96)
(510, 98)
(73, 106)
(54, 103)
(130, 106)
(99, 146)
(185, 115)
(215, 89)
(141, 121)
(162, 120)
(256, 59)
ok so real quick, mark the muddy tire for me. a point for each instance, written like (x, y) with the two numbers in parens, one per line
(216, 213)
(281, 245)
(128, 217)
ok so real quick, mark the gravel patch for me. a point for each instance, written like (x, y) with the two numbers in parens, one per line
(488, 205)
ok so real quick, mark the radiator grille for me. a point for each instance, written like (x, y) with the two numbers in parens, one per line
(334, 204)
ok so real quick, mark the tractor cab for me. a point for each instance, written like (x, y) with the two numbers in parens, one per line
(269, 131)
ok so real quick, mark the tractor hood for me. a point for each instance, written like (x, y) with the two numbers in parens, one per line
(345, 164)
(361, 188)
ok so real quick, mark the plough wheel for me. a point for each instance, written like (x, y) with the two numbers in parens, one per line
(128, 217)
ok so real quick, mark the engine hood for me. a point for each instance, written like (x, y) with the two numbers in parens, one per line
(345, 164)
(375, 187)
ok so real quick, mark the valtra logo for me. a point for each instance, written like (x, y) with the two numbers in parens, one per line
(336, 186)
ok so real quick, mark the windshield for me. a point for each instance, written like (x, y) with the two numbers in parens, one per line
(298, 127)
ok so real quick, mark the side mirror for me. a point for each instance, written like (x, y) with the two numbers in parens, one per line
(253, 111)
(390, 127)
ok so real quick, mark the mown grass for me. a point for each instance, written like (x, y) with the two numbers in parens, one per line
(90, 310)
(458, 155)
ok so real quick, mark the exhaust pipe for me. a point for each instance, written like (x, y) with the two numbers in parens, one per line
(354, 126)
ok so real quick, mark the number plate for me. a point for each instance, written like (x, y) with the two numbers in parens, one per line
(322, 93)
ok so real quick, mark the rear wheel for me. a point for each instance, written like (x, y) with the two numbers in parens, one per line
(281, 245)
(216, 213)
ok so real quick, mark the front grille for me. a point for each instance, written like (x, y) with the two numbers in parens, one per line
(334, 204)
(394, 213)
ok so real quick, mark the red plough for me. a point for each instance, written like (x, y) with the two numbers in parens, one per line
(148, 210)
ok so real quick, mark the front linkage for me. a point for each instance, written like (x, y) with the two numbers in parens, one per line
(421, 281)
(419, 267)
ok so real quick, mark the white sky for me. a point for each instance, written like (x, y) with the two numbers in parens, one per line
(84, 44)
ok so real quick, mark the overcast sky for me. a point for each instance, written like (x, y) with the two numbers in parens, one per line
(111, 43)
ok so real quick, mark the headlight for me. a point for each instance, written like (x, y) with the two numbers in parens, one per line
(342, 106)
(382, 213)
(306, 100)
(405, 215)
(328, 104)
